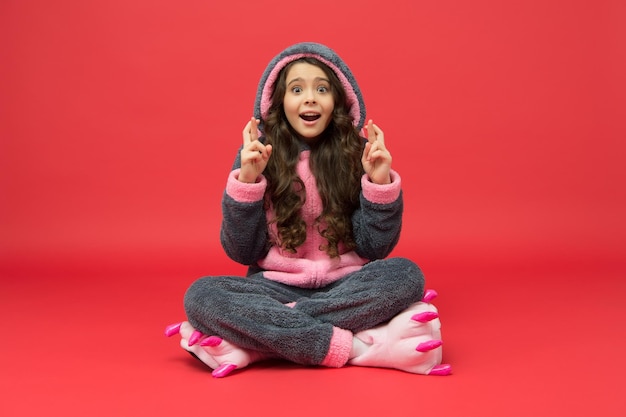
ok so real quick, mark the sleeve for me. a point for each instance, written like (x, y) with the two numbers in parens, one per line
(377, 222)
(244, 234)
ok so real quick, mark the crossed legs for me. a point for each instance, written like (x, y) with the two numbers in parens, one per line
(341, 324)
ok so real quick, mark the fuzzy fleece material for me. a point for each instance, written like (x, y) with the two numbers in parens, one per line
(245, 231)
(303, 325)
(322, 53)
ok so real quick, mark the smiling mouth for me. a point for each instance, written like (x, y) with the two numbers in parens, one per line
(310, 117)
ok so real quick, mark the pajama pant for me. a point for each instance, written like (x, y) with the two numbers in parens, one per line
(251, 312)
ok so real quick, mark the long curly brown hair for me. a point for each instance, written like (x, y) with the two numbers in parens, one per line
(335, 162)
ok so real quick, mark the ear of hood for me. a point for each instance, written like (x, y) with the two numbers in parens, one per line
(322, 53)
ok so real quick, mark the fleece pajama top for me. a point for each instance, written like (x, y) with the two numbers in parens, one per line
(333, 297)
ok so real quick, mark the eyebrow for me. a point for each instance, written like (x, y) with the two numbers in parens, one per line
(299, 79)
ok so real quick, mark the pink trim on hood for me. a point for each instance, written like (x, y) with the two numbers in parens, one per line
(268, 88)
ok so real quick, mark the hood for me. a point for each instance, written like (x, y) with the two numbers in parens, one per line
(322, 53)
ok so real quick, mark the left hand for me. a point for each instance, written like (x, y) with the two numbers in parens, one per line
(376, 158)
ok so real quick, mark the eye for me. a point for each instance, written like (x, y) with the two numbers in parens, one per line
(296, 90)
(322, 89)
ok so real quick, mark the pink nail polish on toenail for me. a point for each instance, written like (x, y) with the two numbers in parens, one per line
(429, 296)
(194, 338)
(441, 370)
(223, 370)
(172, 329)
(427, 346)
(211, 341)
(425, 317)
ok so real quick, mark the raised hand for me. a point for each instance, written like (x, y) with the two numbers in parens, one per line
(376, 158)
(254, 155)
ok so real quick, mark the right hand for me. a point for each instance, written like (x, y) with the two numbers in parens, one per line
(254, 155)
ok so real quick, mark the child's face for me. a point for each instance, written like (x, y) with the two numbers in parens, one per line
(308, 101)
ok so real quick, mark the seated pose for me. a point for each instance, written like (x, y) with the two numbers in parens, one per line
(313, 208)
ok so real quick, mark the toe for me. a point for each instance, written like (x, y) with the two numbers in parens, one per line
(425, 317)
(428, 346)
(172, 329)
(429, 295)
(195, 337)
(441, 370)
(223, 370)
(211, 341)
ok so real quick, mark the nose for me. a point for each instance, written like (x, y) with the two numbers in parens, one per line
(310, 96)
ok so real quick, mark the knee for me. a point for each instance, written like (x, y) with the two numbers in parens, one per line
(199, 295)
(409, 277)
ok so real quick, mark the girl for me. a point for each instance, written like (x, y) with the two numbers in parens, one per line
(313, 209)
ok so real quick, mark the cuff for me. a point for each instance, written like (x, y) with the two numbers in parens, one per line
(339, 349)
(243, 192)
(382, 193)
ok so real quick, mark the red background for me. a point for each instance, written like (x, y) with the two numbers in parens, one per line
(119, 121)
